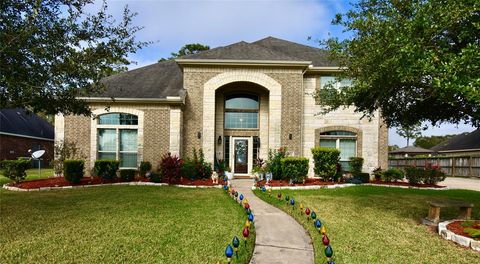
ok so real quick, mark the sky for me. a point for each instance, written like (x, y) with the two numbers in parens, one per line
(171, 24)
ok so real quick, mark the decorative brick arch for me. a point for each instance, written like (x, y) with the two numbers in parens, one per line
(93, 130)
(355, 130)
(274, 109)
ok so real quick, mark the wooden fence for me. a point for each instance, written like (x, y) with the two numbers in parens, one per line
(452, 166)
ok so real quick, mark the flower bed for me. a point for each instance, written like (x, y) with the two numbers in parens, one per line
(308, 182)
(406, 184)
(61, 182)
(464, 233)
(465, 228)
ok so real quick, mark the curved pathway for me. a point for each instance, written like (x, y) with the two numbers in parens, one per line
(280, 239)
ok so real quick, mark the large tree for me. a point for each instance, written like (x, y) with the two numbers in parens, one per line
(192, 48)
(410, 132)
(52, 52)
(414, 60)
(428, 142)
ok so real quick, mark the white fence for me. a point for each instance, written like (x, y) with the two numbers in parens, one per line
(452, 166)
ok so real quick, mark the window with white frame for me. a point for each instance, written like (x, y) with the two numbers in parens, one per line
(344, 141)
(117, 138)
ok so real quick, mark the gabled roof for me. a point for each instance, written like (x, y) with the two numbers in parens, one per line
(165, 79)
(18, 122)
(410, 149)
(464, 141)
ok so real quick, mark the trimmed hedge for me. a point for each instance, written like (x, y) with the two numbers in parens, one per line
(15, 169)
(73, 170)
(325, 160)
(295, 168)
(106, 169)
(127, 175)
(356, 164)
(274, 162)
(145, 166)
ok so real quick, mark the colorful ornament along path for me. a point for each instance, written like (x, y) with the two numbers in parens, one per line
(279, 238)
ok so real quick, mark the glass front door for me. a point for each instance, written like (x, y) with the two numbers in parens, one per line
(241, 156)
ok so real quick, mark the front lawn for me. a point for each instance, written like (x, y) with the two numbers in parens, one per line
(120, 224)
(32, 174)
(367, 224)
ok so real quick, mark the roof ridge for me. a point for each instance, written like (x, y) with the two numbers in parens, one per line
(288, 41)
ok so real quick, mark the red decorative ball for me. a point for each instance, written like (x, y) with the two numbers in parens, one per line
(325, 240)
(307, 211)
(247, 206)
(245, 232)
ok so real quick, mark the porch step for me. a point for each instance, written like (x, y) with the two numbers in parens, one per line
(243, 177)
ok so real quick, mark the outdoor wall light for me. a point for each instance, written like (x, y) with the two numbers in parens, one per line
(219, 140)
(199, 135)
(290, 136)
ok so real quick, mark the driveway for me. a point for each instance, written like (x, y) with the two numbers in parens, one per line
(462, 183)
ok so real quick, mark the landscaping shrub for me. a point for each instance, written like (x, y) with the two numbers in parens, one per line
(414, 175)
(393, 174)
(274, 162)
(196, 167)
(356, 164)
(188, 169)
(155, 177)
(433, 175)
(171, 166)
(295, 168)
(221, 167)
(363, 177)
(15, 169)
(127, 175)
(73, 170)
(106, 169)
(145, 166)
(64, 150)
(325, 160)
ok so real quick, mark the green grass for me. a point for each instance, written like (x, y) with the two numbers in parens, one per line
(120, 224)
(32, 174)
(367, 224)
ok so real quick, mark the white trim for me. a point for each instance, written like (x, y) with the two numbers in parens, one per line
(243, 62)
(167, 100)
(249, 154)
(324, 69)
(25, 136)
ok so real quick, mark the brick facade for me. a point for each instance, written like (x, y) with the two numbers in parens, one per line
(13, 147)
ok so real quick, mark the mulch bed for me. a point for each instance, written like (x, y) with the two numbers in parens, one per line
(407, 184)
(308, 182)
(457, 228)
(61, 182)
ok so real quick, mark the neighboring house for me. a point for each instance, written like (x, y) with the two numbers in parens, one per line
(465, 144)
(235, 102)
(21, 131)
(409, 151)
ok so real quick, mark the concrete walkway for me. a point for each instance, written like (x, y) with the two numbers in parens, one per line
(462, 183)
(280, 239)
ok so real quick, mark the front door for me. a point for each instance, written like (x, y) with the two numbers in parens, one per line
(240, 155)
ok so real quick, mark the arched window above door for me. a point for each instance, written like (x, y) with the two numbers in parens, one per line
(241, 111)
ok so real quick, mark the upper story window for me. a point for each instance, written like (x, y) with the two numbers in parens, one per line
(117, 138)
(344, 141)
(334, 82)
(241, 111)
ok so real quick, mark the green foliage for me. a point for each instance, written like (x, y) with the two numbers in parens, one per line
(414, 61)
(56, 51)
(127, 175)
(221, 167)
(475, 233)
(274, 162)
(393, 174)
(171, 166)
(197, 167)
(433, 175)
(64, 150)
(189, 169)
(73, 170)
(188, 49)
(325, 161)
(356, 164)
(414, 175)
(145, 166)
(15, 169)
(362, 176)
(427, 142)
(155, 177)
(410, 132)
(106, 169)
(295, 168)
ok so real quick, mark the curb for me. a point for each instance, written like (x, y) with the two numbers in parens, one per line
(461, 240)
(345, 185)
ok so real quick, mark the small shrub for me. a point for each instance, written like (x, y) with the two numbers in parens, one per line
(325, 160)
(145, 166)
(473, 232)
(171, 166)
(155, 177)
(295, 168)
(433, 175)
(127, 175)
(106, 169)
(378, 173)
(188, 169)
(73, 170)
(274, 162)
(221, 167)
(65, 150)
(414, 175)
(393, 174)
(363, 177)
(15, 169)
(356, 164)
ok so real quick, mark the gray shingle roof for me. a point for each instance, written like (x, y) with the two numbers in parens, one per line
(410, 149)
(164, 79)
(460, 142)
(17, 121)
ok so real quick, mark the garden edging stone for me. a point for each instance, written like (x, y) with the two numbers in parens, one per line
(461, 240)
